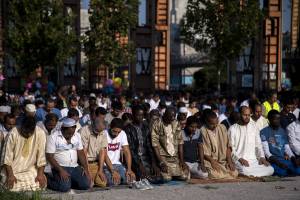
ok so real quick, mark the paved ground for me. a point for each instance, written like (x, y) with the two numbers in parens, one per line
(285, 189)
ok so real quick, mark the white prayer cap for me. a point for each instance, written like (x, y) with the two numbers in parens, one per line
(5, 109)
(93, 95)
(68, 122)
(183, 110)
(206, 107)
(30, 108)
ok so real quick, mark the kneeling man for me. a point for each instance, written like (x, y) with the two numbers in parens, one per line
(247, 151)
(63, 149)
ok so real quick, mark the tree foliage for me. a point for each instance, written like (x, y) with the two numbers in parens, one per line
(222, 28)
(39, 33)
(110, 20)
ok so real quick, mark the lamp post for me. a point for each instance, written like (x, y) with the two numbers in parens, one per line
(182, 41)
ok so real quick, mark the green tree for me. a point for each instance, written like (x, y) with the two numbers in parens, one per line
(110, 20)
(40, 34)
(222, 28)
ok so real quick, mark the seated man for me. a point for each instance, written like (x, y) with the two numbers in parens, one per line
(167, 142)
(277, 149)
(9, 123)
(293, 131)
(23, 158)
(41, 113)
(95, 143)
(63, 149)
(139, 138)
(259, 120)
(50, 123)
(286, 115)
(193, 148)
(217, 149)
(115, 172)
(247, 151)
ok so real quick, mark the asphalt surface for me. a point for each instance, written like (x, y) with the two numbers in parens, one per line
(285, 189)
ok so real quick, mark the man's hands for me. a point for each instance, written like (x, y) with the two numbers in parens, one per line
(10, 181)
(244, 162)
(274, 160)
(102, 176)
(155, 170)
(202, 167)
(116, 178)
(41, 179)
(215, 165)
(263, 161)
(184, 166)
(231, 166)
(64, 175)
(163, 167)
(130, 176)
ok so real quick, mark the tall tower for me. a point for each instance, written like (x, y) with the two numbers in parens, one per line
(272, 40)
(152, 40)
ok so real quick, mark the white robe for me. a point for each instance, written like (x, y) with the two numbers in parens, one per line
(261, 123)
(293, 131)
(246, 144)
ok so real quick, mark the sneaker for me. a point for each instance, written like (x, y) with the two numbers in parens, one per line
(147, 183)
(139, 185)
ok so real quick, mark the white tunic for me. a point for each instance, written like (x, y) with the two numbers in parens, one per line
(261, 123)
(293, 131)
(246, 144)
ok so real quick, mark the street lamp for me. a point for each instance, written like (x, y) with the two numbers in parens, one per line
(182, 40)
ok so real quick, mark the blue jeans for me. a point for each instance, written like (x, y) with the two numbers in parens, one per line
(292, 169)
(75, 181)
(121, 170)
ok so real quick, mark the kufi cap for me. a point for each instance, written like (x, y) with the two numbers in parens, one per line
(30, 108)
(68, 122)
(183, 110)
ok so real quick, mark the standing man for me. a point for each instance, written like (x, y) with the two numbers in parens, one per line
(247, 151)
(168, 143)
(64, 149)
(277, 148)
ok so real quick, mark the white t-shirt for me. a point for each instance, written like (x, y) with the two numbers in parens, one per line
(64, 112)
(115, 145)
(65, 154)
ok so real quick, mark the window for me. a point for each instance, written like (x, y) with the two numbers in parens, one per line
(142, 13)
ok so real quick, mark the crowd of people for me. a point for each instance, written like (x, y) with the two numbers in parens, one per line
(70, 141)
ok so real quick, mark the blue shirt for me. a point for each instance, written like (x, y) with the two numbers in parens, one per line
(40, 114)
(276, 139)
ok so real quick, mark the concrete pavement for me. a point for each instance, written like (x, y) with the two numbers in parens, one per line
(288, 188)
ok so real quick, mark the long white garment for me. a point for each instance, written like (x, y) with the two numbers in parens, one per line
(293, 131)
(195, 172)
(261, 123)
(246, 144)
